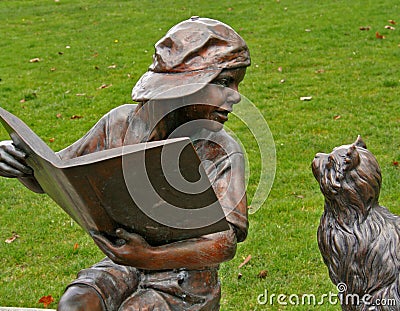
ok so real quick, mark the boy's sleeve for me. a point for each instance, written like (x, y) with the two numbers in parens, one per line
(229, 185)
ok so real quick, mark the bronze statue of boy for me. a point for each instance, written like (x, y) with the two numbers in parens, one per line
(189, 90)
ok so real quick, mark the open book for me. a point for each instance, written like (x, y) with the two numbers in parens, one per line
(157, 189)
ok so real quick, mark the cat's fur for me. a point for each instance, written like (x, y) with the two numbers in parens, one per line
(358, 239)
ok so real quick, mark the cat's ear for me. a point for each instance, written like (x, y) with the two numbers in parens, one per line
(360, 143)
(352, 159)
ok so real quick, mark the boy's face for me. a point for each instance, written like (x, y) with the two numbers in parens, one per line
(215, 101)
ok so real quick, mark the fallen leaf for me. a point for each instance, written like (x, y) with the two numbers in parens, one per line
(53, 69)
(80, 94)
(262, 274)
(391, 21)
(337, 117)
(282, 81)
(239, 276)
(367, 28)
(22, 100)
(58, 115)
(379, 36)
(389, 27)
(104, 86)
(46, 300)
(112, 67)
(76, 117)
(306, 98)
(245, 261)
(52, 140)
(308, 30)
(12, 238)
(76, 246)
(320, 71)
(230, 9)
(395, 163)
(34, 60)
(280, 69)
(60, 53)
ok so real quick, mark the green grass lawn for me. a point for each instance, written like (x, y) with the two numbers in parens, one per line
(299, 48)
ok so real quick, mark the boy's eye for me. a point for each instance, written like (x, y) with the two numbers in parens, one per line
(223, 82)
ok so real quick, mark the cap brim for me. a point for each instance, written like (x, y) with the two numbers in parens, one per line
(156, 86)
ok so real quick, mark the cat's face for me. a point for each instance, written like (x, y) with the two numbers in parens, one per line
(349, 173)
(329, 169)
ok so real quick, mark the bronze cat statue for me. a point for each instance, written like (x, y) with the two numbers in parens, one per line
(358, 239)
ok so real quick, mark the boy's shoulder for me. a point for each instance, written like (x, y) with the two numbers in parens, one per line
(123, 110)
(220, 138)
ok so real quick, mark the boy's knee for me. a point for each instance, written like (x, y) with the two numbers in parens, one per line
(81, 298)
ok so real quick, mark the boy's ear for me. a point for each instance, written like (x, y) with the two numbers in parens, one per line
(360, 143)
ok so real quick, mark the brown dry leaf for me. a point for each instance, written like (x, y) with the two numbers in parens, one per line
(12, 238)
(262, 274)
(104, 86)
(53, 69)
(395, 163)
(112, 67)
(76, 246)
(34, 60)
(239, 276)
(367, 28)
(46, 300)
(320, 71)
(52, 140)
(337, 117)
(391, 21)
(76, 117)
(379, 36)
(389, 27)
(245, 261)
(58, 115)
(22, 100)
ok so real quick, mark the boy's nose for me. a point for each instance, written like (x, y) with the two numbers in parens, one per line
(233, 97)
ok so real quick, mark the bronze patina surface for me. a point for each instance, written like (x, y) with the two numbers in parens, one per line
(188, 91)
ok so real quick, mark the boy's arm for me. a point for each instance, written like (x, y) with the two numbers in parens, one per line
(208, 250)
(98, 138)
(108, 132)
(205, 251)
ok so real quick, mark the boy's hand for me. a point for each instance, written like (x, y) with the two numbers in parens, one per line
(130, 249)
(12, 161)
